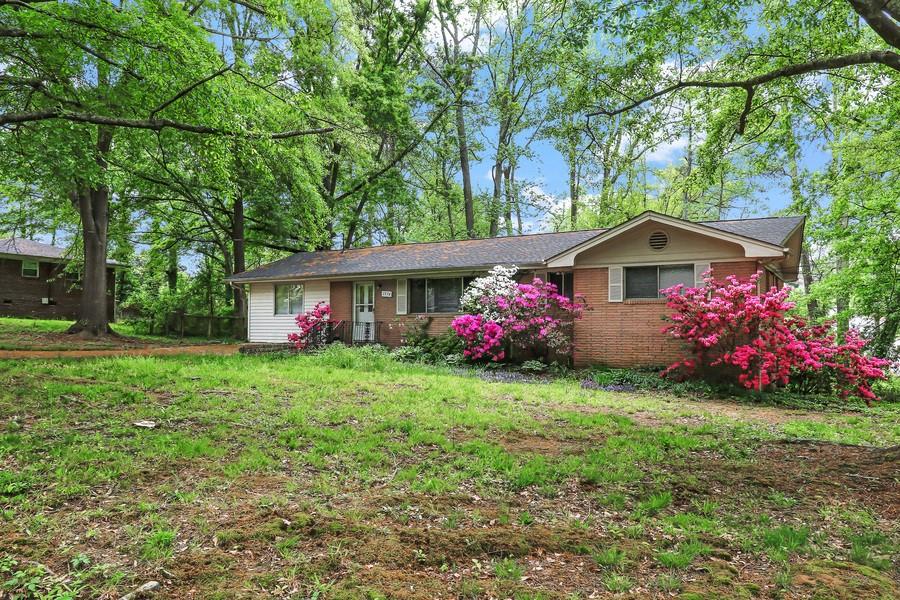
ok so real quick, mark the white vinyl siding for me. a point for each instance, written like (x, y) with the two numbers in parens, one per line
(265, 325)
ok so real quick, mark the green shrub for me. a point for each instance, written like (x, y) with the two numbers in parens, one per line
(888, 390)
(647, 379)
(533, 366)
(443, 349)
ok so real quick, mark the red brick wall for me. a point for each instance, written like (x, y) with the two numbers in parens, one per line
(393, 327)
(627, 334)
(742, 269)
(341, 298)
(619, 334)
(21, 296)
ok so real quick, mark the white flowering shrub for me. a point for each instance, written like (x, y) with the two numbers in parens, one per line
(498, 283)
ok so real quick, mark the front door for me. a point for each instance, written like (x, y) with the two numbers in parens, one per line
(364, 311)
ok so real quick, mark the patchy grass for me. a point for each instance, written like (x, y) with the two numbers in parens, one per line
(349, 475)
(50, 334)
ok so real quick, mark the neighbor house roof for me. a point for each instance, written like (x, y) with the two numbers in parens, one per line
(32, 249)
(475, 254)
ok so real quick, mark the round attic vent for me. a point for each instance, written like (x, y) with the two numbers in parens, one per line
(659, 240)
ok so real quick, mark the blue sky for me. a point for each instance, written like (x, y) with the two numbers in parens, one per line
(549, 171)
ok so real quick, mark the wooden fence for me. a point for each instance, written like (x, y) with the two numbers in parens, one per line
(181, 325)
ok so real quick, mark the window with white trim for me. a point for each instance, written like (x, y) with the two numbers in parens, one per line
(30, 268)
(288, 299)
(646, 282)
(436, 295)
(564, 283)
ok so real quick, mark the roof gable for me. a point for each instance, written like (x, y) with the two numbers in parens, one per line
(751, 246)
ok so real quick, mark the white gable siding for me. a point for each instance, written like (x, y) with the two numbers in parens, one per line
(265, 325)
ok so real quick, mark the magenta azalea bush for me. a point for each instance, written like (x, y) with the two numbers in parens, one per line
(501, 313)
(313, 325)
(732, 332)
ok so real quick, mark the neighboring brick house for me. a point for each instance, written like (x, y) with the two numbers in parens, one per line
(382, 293)
(33, 281)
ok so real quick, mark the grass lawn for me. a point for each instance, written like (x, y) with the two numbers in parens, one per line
(48, 334)
(348, 475)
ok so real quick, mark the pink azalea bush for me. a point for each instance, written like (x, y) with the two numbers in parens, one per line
(732, 332)
(501, 313)
(313, 325)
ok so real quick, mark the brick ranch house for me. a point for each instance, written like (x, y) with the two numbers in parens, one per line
(33, 281)
(379, 294)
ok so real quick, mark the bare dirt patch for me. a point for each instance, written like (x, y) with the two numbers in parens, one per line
(538, 444)
(140, 350)
(813, 469)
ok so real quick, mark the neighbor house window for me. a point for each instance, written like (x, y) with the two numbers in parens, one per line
(646, 282)
(288, 299)
(30, 268)
(436, 295)
(563, 283)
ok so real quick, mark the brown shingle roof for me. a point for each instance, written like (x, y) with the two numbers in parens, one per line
(32, 249)
(478, 254)
(423, 256)
(774, 230)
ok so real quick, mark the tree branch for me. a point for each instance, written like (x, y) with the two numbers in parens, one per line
(882, 57)
(149, 124)
(882, 16)
(13, 33)
(251, 6)
(100, 56)
(184, 92)
(409, 148)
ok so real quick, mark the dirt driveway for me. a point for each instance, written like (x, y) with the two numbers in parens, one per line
(221, 349)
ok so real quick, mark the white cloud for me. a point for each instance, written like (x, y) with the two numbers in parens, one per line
(548, 206)
(667, 151)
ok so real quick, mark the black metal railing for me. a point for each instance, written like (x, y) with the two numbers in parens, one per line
(356, 333)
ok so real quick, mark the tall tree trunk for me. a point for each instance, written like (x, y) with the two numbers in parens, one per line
(93, 208)
(227, 269)
(494, 208)
(448, 200)
(515, 194)
(841, 304)
(330, 185)
(688, 167)
(883, 342)
(799, 203)
(466, 171)
(510, 199)
(172, 268)
(354, 220)
(812, 305)
(210, 299)
(721, 200)
(238, 248)
(573, 187)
